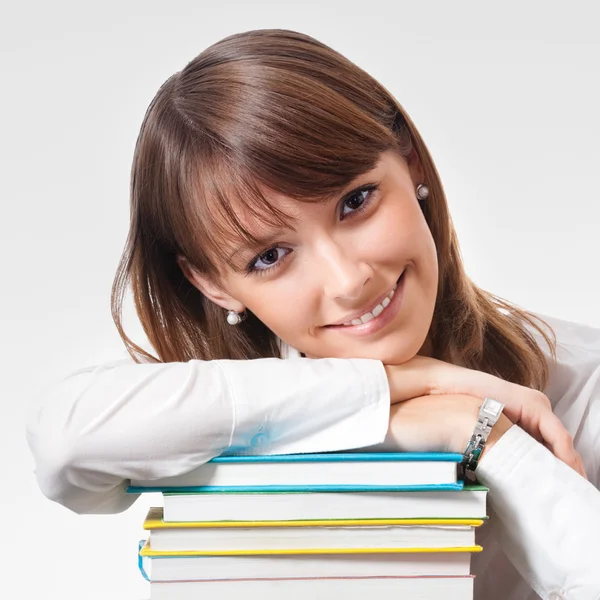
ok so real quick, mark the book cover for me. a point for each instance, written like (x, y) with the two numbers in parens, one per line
(207, 568)
(211, 537)
(316, 472)
(146, 550)
(154, 520)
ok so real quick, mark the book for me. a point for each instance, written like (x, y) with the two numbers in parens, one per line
(265, 505)
(348, 588)
(155, 567)
(308, 536)
(318, 472)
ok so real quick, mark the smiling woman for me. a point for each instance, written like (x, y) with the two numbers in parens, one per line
(283, 205)
(271, 134)
(339, 261)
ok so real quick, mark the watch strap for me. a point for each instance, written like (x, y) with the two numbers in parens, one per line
(489, 413)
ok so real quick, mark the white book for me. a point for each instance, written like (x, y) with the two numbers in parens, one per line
(326, 471)
(266, 506)
(248, 539)
(380, 588)
(199, 568)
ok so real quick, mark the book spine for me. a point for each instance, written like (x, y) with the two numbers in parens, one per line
(141, 544)
(342, 457)
(212, 489)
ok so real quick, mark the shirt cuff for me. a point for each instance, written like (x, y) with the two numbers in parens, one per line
(504, 457)
(545, 516)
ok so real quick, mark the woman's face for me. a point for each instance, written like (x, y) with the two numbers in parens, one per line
(356, 277)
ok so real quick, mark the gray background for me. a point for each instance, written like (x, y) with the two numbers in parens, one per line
(506, 98)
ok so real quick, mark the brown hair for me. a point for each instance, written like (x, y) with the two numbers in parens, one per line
(279, 109)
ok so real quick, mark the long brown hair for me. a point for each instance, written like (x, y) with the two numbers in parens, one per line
(279, 109)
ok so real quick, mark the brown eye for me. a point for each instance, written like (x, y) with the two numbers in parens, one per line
(356, 201)
(269, 259)
(270, 256)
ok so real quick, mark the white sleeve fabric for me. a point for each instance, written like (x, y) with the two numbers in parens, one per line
(101, 426)
(546, 517)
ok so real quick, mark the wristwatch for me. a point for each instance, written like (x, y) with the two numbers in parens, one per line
(489, 413)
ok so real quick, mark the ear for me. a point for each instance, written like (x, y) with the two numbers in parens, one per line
(208, 287)
(415, 167)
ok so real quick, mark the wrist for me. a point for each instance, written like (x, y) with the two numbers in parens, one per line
(467, 413)
(484, 434)
(412, 379)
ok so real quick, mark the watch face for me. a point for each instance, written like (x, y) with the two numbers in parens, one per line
(492, 407)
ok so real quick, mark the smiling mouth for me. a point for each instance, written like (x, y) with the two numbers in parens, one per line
(373, 312)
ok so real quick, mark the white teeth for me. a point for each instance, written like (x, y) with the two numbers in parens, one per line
(375, 312)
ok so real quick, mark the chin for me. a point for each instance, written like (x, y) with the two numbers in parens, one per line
(393, 355)
(394, 349)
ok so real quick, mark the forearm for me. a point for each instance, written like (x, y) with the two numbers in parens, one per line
(101, 426)
(546, 516)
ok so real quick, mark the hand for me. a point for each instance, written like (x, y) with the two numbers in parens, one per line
(437, 423)
(528, 408)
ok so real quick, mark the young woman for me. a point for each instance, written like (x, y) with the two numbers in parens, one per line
(285, 206)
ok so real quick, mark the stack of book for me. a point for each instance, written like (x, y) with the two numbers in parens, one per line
(312, 525)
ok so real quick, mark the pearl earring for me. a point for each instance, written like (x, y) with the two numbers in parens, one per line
(234, 318)
(422, 191)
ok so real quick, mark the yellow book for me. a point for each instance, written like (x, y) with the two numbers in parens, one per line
(148, 551)
(154, 520)
(312, 537)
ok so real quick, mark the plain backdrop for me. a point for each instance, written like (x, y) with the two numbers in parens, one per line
(505, 96)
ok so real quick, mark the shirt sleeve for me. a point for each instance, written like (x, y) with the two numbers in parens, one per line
(99, 427)
(546, 517)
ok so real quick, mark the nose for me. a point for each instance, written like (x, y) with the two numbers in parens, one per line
(343, 274)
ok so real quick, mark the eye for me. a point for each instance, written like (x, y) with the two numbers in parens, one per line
(357, 201)
(269, 259)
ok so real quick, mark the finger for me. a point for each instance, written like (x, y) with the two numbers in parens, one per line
(575, 461)
(581, 467)
(561, 443)
(535, 433)
(555, 434)
(525, 408)
(529, 416)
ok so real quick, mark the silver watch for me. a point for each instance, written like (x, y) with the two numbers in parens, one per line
(489, 413)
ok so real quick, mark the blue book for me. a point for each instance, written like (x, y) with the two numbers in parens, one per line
(329, 472)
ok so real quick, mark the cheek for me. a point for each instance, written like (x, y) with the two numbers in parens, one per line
(405, 240)
(285, 308)
(401, 232)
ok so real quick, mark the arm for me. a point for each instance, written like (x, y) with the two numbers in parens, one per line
(545, 517)
(103, 425)
(529, 408)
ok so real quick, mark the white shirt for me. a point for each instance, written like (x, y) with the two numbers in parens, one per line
(103, 425)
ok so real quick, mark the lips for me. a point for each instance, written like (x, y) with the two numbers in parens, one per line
(378, 323)
(372, 311)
